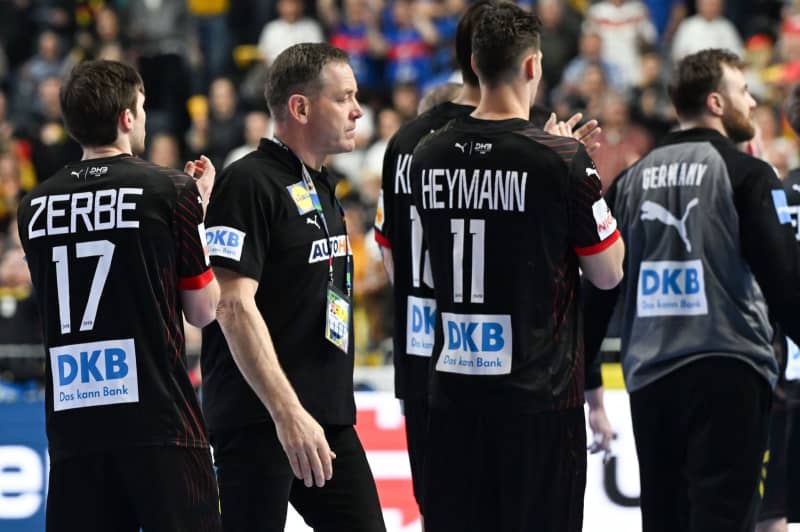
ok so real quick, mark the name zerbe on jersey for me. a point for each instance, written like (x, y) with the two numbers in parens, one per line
(97, 210)
(458, 188)
(320, 250)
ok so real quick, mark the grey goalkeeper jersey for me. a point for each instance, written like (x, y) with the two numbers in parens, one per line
(707, 237)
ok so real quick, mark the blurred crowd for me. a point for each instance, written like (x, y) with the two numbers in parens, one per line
(204, 63)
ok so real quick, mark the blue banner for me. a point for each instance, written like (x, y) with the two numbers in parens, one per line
(24, 466)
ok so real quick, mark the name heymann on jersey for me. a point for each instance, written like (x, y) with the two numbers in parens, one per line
(457, 188)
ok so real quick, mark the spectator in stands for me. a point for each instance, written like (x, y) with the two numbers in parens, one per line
(624, 26)
(47, 63)
(256, 126)
(665, 16)
(707, 29)
(405, 99)
(223, 129)
(354, 30)
(590, 53)
(409, 37)
(389, 122)
(160, 34)
(10, 190)
(52, 147)
(621, 142)
(213, 36)
(650, 103)
(291, 27)
(106, 27)
(559, 39)
(164, 151)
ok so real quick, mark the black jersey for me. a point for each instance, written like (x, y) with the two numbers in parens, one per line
(109, 244)
(398, 227)
(262, 224)
(506, 209)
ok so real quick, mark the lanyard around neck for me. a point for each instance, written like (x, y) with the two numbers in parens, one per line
(317, 202)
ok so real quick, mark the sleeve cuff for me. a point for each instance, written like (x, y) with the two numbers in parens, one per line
(197, 282)
(594, 249)
(382, 240)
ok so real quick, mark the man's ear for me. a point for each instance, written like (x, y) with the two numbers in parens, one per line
(529, 66)
(715, 104)
(125, 122)
(298, 107)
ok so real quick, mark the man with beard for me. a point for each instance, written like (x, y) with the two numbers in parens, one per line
(117, 258)
(709, 246)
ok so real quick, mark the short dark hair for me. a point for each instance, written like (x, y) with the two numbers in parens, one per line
(792, 107)
(297, 70)
(501, 36)
(93, 96)
(698, 75)
(464, 39)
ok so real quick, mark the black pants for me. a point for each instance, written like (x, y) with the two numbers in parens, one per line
(256, 484)
(701, 433)
(487, 472)
(416, 414)
(157, 489)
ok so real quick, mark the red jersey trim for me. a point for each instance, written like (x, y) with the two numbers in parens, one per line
(600, 246)
(382, 240)
(197, 282)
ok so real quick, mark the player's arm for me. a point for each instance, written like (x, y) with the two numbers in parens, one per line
(385, 211)
(199, 291)
(604, 269)
(251, 345)
(769, 245)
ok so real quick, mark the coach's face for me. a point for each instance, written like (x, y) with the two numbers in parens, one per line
(333, 113)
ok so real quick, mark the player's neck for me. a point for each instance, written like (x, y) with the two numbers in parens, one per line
(708, 122)
(503, 102)
(469, 95)
(110, 150)
(296, 141)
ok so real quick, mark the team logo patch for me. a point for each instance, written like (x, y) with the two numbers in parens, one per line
(476, 344)
(606, 223)
(320, 249)
(301, 198)
(94, 374)
(420, 326)
(781, 206)
(223, 241)
(379, 213)
(671, 288)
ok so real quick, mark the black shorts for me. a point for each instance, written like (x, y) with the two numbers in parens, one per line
(701, 433)
(156, 489)
(256, 484)
(781, 487)
(505, 472)
(774, 471)
(416, 414)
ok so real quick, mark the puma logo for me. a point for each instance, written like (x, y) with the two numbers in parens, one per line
(653, 211)
(592, 171)
(313, 221)
(461, 146)
(76, 173)
(796, 188)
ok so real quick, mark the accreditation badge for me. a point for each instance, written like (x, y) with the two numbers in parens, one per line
(337, 319)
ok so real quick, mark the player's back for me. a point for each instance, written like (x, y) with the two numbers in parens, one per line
(500, 216)
(103, 240)
(398, 227)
